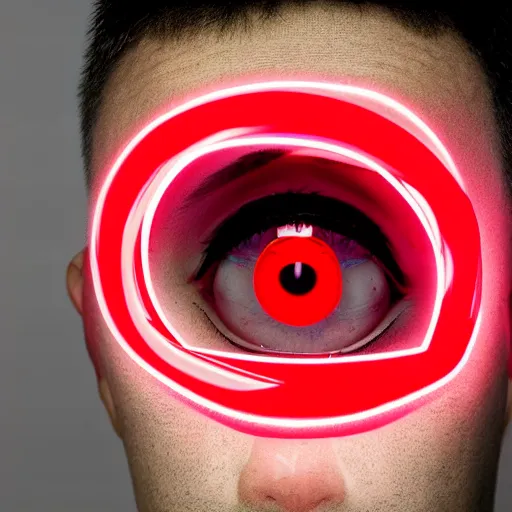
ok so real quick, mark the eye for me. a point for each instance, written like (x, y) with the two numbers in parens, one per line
(372, 282)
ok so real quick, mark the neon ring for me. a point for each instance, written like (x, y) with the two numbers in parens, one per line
(289, 396)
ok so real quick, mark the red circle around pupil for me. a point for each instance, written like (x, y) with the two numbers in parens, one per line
(297, 280)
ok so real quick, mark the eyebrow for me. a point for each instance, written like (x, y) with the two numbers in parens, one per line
(237, 169)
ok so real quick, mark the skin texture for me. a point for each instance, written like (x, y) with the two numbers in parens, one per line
(441, 457)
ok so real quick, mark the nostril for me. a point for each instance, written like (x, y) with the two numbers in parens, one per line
(295, 501)
(287, 476)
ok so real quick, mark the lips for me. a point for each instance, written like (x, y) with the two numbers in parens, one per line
(304, 397)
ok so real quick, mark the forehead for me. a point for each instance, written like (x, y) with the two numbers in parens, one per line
(436, 76)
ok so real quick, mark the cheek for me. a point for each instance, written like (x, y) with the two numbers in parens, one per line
(172, 450)
(494, 339)
(177, 457)
(453, 439)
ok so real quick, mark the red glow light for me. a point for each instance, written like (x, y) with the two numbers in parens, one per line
(289, 396)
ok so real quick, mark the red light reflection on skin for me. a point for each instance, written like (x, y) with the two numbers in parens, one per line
(290, 396)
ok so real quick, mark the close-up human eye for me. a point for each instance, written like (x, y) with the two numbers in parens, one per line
(375, 288)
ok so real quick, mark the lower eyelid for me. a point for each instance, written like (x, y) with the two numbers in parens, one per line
(386, 324)
(234, 347)
(385, 327)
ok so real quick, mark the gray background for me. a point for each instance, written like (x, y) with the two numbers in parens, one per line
(57, 452)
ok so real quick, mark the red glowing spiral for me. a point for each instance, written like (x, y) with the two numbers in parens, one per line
(276, 396)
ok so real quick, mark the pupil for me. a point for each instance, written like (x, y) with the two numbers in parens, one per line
(297, 278)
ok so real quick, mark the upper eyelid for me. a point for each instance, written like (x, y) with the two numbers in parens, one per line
(232, 172)
(293, 199)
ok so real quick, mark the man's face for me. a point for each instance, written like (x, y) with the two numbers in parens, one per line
(442, 456)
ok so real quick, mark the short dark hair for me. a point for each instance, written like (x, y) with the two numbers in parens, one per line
(117, 26)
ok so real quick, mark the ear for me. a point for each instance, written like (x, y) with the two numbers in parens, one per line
(75, 281)
(75, 287)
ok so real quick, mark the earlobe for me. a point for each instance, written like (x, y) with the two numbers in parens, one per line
(108, 403)
(74, 280)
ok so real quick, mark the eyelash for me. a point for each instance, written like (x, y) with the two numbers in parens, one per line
(290, 208)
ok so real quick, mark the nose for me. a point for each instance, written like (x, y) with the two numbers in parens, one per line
(291, 476)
